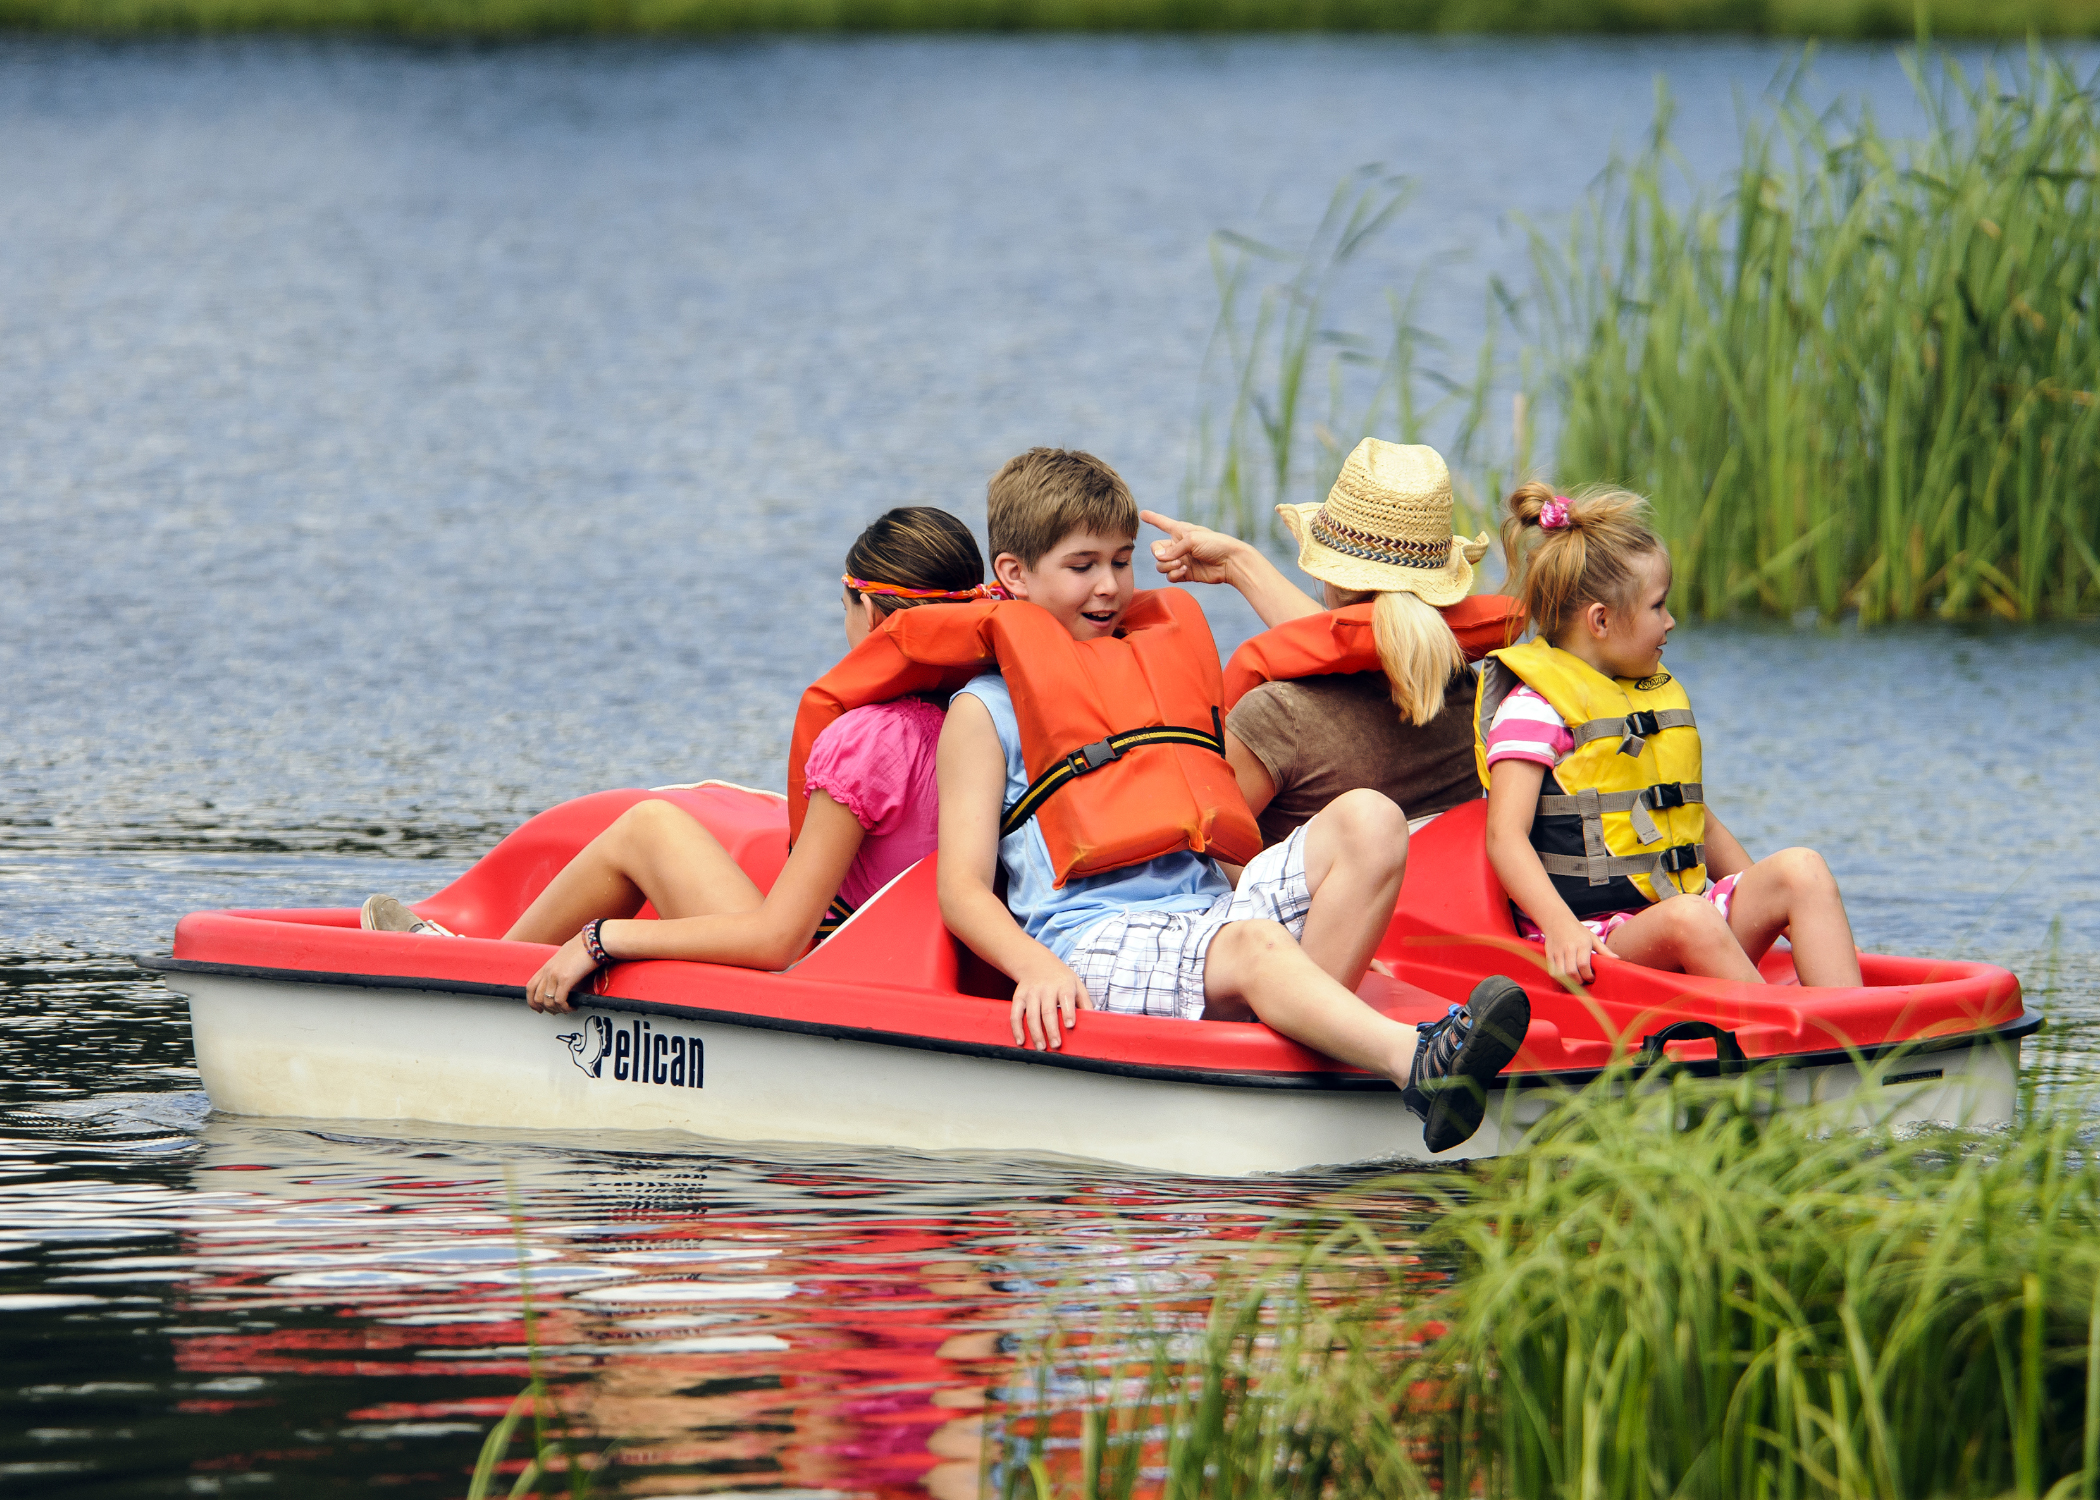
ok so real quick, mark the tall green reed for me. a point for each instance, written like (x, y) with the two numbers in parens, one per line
(1862, 375)
(1674, 1291)
(556, 1458)
(1284, 373)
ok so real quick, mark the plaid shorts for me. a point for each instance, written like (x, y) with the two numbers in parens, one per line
(1150, 963)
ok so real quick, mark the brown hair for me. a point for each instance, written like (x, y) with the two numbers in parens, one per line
(1042, 496)
(1590, 560)
(1415, 646)
(915, 547)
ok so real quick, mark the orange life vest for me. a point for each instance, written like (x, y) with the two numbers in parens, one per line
(1121, 737)
(1340, 640)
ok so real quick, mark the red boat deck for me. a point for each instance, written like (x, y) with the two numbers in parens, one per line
(894, 974)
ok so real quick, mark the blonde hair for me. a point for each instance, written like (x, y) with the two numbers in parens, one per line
(1040, 497)
(1590, 560)
(1416, 648)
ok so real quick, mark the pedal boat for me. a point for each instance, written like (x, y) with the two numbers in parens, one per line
(890, 1034)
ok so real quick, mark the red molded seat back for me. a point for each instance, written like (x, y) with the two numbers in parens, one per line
(486, 900)
(1449, 886)
(899, 938)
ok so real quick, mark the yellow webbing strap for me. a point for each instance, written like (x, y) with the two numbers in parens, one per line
(1093, 757)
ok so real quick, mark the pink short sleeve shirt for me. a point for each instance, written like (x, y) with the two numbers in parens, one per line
(1525, 727)
(877, 763)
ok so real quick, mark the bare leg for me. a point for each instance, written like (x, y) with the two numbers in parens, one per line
(1255, 971)
(1794, 892)
(1355, 852)
(654, 851)
(1684, 935)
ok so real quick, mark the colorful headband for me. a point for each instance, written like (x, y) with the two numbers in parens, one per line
(898, 591)
(1555, 515)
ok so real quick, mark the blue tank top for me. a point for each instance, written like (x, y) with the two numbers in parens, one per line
(1173, 882)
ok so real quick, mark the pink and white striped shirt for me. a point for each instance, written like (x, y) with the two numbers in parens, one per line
(1525, 727)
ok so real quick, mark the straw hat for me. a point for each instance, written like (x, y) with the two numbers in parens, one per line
(1386, 525)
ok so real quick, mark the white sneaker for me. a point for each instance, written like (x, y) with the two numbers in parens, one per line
(385, 914)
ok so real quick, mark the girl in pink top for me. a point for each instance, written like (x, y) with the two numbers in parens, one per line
(872, 811)
(877, 763)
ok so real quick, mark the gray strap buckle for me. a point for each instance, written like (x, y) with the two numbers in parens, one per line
(1092, 757)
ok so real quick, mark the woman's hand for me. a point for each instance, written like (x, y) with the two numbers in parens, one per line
(1196, 554)
(1191, 553)
(570, 966)
(1045, 996)
(1569, 946)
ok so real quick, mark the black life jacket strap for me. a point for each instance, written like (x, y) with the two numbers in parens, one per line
(1090, 758)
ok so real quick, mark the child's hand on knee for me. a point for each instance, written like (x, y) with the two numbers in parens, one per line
(1047, 1000)
(1569, 948)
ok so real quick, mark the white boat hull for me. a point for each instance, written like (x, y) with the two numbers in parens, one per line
(336, 1051)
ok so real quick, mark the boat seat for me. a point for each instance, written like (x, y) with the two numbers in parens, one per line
(491, 896)
(1450, 886)
(900, 938)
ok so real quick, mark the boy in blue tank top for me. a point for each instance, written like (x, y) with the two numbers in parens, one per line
(1171, 936)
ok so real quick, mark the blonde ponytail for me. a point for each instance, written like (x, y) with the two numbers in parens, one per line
(1416, 648)
(1589, 555)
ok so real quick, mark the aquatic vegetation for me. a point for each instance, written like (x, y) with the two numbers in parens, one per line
(558, 1461)
(1863, 376)
(1673, 1292)
(1869, 376)
(1844, 18)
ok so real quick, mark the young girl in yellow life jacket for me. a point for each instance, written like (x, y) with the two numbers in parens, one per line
(1597, 817)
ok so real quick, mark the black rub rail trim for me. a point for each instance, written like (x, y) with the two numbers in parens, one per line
(2029, 1022)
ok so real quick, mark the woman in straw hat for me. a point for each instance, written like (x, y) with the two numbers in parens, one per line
(1383, 535)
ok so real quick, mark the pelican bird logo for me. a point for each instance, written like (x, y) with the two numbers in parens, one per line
(587, 1048)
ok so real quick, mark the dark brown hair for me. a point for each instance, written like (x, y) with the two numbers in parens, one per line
(1040, 497)
(915, 547)
(1590, 560)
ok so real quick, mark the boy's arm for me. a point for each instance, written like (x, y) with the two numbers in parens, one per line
(1513, 800)
(1196, 554)
(972, 772)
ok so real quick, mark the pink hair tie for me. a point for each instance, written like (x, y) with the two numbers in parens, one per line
(1554, 515)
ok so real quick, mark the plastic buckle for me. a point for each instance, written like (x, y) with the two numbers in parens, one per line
(1641, 723)
(1092, 757)
(1664, 794)
(1679, 858)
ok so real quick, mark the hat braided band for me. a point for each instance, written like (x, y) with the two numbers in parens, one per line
(1381, 549)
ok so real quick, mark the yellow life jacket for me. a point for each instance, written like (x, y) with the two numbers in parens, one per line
(1621, 821)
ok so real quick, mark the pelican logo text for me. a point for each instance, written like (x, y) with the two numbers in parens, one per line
(635, 1052)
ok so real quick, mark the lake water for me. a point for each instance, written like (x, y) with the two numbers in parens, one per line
(396, 441)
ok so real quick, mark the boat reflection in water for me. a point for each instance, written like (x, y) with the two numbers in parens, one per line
(784, 1323)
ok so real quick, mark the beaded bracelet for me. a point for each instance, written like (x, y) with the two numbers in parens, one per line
(592, 945)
